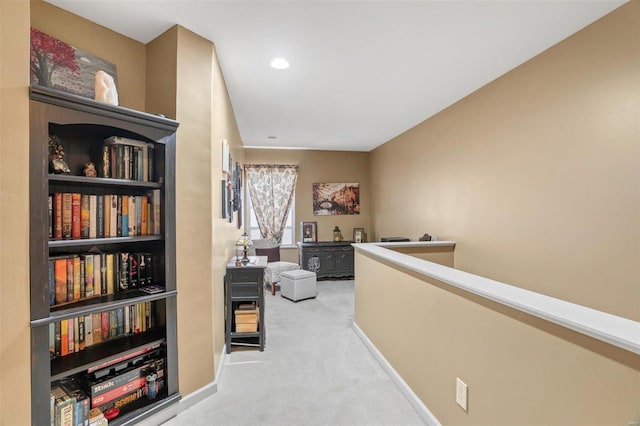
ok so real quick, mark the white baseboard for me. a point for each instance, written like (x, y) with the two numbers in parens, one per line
(413, 399)
(189, 400)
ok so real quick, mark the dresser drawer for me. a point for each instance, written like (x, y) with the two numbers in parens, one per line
(250, 275)
(244, 290)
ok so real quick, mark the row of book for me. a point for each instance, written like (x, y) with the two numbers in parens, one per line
(88, 398)
(82, 276)
(76, 216)
(76, 334)
(124, 158)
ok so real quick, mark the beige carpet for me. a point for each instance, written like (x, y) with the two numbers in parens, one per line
(314, 371)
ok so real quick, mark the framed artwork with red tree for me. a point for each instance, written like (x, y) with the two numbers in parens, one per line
(58, 65)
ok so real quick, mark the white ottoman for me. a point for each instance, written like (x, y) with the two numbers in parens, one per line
(298, 284)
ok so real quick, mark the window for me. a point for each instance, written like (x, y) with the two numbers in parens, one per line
(288, 235)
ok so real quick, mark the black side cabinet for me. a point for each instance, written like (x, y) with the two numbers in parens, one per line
(327, 259)
(244, 283)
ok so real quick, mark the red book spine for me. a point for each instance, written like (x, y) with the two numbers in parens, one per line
(57, 216)
(75, 216)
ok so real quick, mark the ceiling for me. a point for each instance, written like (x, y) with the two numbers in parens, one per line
(361, 72)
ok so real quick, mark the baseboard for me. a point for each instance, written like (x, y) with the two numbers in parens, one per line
(190, 400)
(413, 399)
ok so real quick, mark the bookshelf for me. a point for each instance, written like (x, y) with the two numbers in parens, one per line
(141, 254)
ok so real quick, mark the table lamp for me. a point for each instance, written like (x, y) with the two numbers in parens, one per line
(244, 241)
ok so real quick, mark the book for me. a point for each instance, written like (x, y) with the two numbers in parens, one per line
(64, 337)
(97, 274)
(155, 202)
(64, 407)
(66, 215)
(96, 320)
(83, 278)
(52, 340)
(84, 216)
(77, 284)
(119, 216)
(113, 324)
(123, 358)
(75, 215)
(152, 289)
(57, 216)
(93, 218)
(103, 273)
(52, 282)
(57, 338)
(131, 219)
(81, 405)
(70, 277)
(134, 259)
(88, 330)
(71, 335)
(113, 217)
(89, 274)
(50, 204)
(125, 216)
(123, 269)
(110, 274)
(106, 328)
(100, 217)
(106, 163)
(81, 333)
(107, 216)
(144, 215)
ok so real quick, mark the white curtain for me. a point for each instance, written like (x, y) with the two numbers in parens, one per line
(271, 188)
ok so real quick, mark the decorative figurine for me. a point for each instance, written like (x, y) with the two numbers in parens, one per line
(56, 156)
(425, 237)
(337, 234)
(90, 169)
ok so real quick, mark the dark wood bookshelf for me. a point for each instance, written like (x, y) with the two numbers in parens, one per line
(81, 126)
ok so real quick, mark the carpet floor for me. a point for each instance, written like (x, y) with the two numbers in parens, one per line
(314, 371)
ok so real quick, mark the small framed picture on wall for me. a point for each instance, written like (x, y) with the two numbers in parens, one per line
(309, 232)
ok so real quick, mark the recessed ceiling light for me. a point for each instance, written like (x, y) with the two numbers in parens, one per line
(279, 63)
(271, 137)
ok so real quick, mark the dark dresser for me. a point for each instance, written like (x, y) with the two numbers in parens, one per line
(327, 259)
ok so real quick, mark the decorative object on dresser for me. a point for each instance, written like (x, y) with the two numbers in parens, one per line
(359, 235)
(336, 198)
(243, 242)
(244, 299)
(275, 267)
(309, 232)
(337, 234)
(425, 237)
(106, 239)
(327, 259)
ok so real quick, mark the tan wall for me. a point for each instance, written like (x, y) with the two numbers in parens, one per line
(126, 54)
(187, 60)
(225, 234)
(441, 255)
(520, 370)
(535, 176)
(15, 368)
(317, 167)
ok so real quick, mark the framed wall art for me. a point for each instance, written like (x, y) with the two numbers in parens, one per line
(336, 199)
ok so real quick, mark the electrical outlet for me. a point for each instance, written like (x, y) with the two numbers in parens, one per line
(461, 393)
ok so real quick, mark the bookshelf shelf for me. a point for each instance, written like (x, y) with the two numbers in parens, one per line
(102, 182)
(131, 318)
(103, 352)
(90, 242)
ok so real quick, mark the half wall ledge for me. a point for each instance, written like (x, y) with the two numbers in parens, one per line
(612, 329)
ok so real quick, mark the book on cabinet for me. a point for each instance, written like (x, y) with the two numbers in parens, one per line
(95, 243)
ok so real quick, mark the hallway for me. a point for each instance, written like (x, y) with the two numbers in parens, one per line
(314, 371)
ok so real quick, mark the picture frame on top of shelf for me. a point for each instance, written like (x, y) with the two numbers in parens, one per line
(359, 236)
